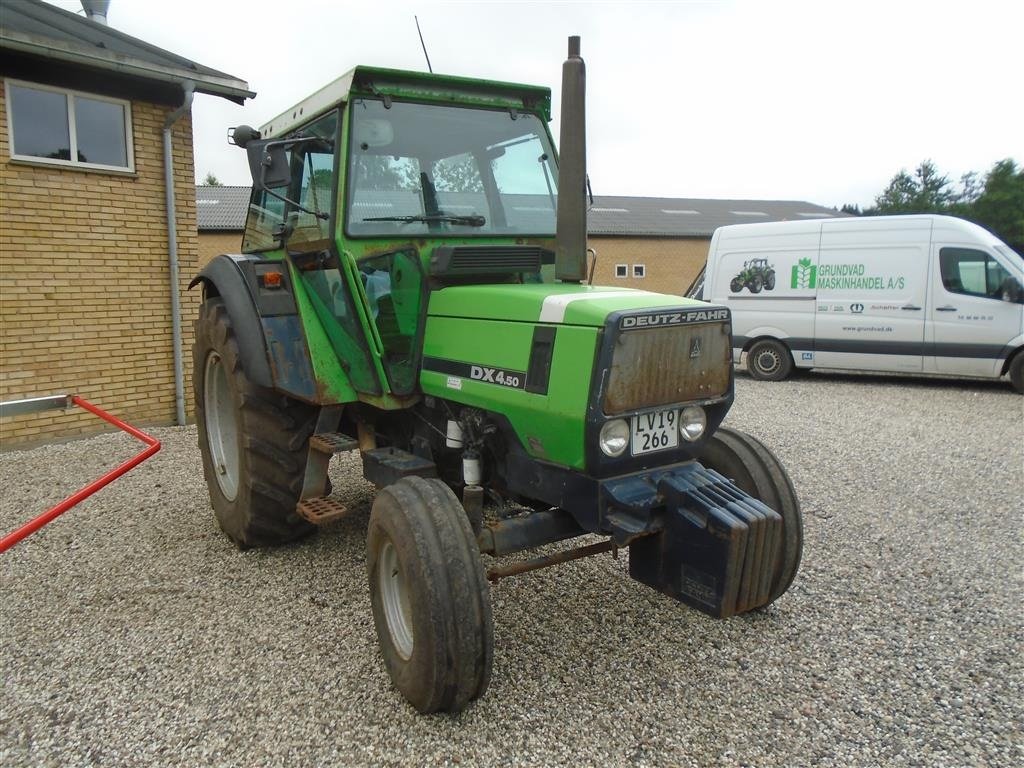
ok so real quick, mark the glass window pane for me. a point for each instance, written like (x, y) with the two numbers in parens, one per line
(316, 187)
(417, 169)
(964, 270)
(40, 123)
(99, 128)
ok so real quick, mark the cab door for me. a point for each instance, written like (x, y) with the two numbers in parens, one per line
(974, 313)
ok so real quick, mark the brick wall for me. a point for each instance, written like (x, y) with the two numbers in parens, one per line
(213, 244)
(670, 264)
(84, 294)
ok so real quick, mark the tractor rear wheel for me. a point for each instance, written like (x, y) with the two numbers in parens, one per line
(755, 469)
(253, 441)
(431, 604)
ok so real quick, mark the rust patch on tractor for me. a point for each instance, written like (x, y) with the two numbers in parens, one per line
(660, 366)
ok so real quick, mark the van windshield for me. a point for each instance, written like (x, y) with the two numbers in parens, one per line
(419, 169)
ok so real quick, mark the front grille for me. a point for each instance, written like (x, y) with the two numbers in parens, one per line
(661, 366)
(452, 261)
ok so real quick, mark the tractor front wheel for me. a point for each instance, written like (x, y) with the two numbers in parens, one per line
(756, 470)
(253, 441)
(736, 285)
(430, 599)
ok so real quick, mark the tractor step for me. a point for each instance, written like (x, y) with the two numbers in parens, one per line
(332, 443)
(321, 510)
(384, 466)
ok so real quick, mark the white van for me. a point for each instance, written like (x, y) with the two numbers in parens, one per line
(918, 294)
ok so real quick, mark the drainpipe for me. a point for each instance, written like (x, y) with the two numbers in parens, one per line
(188, 89)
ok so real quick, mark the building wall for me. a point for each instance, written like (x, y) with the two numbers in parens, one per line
(670, 263)
(213, 244)
(84, 294)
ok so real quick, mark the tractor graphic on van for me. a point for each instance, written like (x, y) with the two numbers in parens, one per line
(757, 274)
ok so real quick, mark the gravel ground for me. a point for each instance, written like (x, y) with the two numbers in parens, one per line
(134, 633)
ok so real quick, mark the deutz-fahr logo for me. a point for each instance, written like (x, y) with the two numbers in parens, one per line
(631, 322)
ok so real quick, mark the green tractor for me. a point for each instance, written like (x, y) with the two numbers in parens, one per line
(755, 275)
(413, 287)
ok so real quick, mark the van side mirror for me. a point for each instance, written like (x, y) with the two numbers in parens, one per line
(1012, 291)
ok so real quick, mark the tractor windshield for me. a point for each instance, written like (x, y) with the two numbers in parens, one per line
(421, 169)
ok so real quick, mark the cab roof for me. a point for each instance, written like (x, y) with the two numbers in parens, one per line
(376, 82)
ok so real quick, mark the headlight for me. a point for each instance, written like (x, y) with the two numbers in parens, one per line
(614, 437)
(692, 422)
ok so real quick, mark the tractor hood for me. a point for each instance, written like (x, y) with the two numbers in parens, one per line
(564, 303)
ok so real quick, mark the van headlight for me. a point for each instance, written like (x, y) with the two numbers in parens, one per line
(692, 422)
(614, 437)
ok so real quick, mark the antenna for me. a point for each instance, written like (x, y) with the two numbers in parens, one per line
(425, 54)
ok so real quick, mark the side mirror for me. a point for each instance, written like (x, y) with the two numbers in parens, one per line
(1012, 291)
(268, 164)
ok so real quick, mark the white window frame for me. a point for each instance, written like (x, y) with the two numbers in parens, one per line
(624, 268)
(639, 271)
(69, 95)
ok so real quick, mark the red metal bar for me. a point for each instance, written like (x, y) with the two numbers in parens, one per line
(32, 526)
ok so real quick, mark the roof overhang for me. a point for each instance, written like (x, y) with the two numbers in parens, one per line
(105, 60)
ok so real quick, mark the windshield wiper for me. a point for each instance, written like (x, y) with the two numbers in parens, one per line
(474, 220)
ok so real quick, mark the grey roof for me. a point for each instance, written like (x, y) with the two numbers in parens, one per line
(689, 216)
(224, 208)
(39, 29)
(221, 208)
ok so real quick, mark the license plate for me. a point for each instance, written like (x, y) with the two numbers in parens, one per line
(654, 431)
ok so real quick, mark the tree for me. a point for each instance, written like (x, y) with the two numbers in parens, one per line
(212, 181)
(925, 192)
(457, 174)
(851, 208)
(996, 201)
(384, 173)
(1000, 205)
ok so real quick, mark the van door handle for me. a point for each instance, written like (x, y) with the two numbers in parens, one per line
(946, 308)
(911, 307)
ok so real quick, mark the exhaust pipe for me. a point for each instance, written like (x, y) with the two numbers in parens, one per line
(571, 225)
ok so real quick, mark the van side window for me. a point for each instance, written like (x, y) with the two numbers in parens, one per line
(971, 272)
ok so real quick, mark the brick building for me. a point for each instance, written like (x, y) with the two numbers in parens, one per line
(92, 118)
(655, 243)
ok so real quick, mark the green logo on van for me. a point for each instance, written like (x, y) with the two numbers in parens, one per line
(804, 275)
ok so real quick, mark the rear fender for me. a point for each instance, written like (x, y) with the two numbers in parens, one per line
(271, 341)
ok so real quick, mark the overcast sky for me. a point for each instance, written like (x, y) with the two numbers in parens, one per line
(818, 101)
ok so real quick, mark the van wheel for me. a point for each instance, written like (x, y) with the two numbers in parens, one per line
(1016, 372)
(769, 360)
(431, 603)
